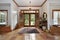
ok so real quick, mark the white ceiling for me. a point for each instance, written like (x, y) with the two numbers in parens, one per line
(29, 2)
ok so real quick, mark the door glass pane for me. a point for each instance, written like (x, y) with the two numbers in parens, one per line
(26, 19)
(32, 19)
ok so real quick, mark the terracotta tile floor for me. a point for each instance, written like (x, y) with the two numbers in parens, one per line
(14, 35)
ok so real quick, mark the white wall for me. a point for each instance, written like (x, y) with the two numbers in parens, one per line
(12, 17)
(52, 7)
(6, 7)
(48, 7)
(45, 8)
(53, 1)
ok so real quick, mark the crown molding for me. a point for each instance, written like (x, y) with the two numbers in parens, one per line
(31, 5)
(15, 3)
(43, 3)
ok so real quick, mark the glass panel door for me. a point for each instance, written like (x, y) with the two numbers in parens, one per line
(32, 19)
(29, 19)
(26, 19)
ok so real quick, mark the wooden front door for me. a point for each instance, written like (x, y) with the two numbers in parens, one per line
(29, 18)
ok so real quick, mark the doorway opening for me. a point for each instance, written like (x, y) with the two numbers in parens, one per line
(30, 18)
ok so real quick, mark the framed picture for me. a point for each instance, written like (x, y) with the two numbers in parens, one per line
(44, 15)
(3, 17)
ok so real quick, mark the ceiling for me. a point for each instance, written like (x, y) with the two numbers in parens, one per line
(25, 3)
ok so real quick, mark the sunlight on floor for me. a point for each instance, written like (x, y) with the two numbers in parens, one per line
(30, 36)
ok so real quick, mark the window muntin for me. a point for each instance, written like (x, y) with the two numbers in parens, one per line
(56, 17)
(3, 17)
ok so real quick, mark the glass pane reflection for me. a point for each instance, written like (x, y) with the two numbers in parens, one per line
(30, 36)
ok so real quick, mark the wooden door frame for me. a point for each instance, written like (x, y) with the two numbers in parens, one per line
(22, 12)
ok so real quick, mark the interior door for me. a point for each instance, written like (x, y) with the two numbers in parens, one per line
(29, 20)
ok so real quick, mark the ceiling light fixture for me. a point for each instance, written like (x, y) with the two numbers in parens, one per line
(30, 5)
(29, 1)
